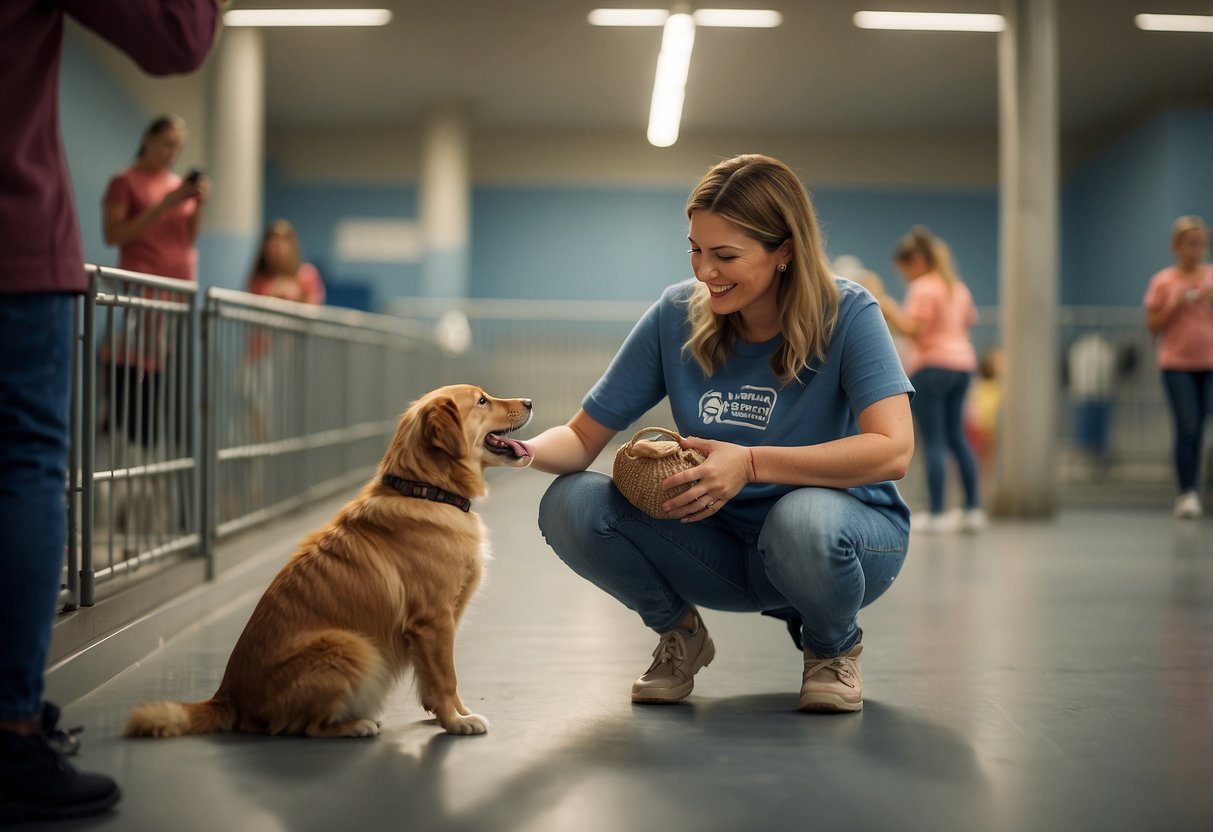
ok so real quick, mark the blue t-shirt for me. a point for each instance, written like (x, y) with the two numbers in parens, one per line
(744, 401)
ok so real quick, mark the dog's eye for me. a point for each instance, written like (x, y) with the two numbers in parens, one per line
(483, 400)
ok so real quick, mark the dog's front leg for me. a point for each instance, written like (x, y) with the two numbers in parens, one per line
(433, 654)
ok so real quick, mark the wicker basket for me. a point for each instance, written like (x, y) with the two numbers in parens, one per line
(642, 464)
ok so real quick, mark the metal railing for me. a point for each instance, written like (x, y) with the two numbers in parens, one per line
(133, 462)
(299, 401)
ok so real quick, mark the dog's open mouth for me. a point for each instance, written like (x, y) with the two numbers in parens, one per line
(498, 442)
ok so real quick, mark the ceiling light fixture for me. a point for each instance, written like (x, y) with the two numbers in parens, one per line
(1175, 22)
(307, 17)
(669, 86)
(674, 61)
(930, 21)
(732, 18)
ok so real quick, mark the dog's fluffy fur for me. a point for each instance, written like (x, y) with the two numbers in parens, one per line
(379, 589)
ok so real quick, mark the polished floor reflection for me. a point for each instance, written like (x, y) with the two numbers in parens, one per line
(1043, 676)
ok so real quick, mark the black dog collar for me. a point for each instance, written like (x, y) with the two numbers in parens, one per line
(425, 491)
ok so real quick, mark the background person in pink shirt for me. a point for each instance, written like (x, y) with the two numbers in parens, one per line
(939, 359)
(152, 214)
(1179, 310)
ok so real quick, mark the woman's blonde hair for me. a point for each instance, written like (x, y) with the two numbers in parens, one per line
(933, 250)
(279, 228)
(765, 199)
(1186, 223)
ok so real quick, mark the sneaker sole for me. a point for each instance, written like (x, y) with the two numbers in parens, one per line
(828, 704)
(666, 696)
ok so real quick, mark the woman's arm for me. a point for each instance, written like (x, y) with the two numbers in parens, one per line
(899, 321)
(118, 230)
(568, 448)
(881, 451)
(1156, 319)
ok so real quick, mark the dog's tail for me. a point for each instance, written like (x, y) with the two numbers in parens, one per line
(173, 719)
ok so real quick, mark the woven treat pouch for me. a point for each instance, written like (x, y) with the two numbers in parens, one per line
(642, 464)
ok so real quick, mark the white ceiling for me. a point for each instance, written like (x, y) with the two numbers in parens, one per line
(539, 64)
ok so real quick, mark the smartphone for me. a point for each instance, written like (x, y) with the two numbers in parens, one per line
(193, 176)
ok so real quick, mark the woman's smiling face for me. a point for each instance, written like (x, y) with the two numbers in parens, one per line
(738, 271)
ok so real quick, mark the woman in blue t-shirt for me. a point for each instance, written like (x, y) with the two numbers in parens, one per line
(785, 378)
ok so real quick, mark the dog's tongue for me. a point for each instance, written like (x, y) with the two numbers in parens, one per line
(519, 449)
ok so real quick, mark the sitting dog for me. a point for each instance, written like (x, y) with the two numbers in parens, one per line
(379, 589)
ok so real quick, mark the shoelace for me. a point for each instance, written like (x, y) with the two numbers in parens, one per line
(842, 666)
(670, 648)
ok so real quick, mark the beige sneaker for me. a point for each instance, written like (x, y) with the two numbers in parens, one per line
(677, 659)
(833, 684)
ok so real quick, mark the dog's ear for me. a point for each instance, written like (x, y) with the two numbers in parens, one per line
(444, 427)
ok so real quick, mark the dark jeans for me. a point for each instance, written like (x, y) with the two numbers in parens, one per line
(938, 407)
(35, 377)
(1190, 395)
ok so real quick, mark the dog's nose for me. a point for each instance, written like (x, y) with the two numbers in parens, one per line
(527, 404)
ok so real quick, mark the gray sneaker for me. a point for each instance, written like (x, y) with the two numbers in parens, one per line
(834, 684)
(677, 659)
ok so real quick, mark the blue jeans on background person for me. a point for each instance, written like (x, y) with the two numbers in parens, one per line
(35, 378)
(938, 408)
(1190, 395)
(821, 551)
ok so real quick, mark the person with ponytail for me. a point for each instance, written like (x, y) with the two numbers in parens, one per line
(785, 379)
(935, 319)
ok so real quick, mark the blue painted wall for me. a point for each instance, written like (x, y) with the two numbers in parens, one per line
(1118, 206)
(101, 122)
(316, 208)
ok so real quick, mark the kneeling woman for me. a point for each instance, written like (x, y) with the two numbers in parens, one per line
(788, 379)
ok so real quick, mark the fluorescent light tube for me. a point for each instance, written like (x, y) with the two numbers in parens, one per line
(1175, 22)
(628, 17)
(307, 17)
(738, 18)
(930, 21)
(669, 85)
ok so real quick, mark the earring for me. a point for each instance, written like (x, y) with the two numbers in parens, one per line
(783, 267)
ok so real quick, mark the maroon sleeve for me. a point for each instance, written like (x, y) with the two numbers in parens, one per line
(163, 37)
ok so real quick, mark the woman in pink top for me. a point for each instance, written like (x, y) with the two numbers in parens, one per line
(935, 320)
(153, 216)
(151, 213)
(278, 272)
(1179, 310)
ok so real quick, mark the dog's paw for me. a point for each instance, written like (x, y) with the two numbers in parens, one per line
(470, 724)
(364, 728)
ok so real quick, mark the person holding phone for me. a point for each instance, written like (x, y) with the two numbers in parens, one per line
(152, 214)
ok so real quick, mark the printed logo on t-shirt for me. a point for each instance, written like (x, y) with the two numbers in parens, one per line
(750, 407)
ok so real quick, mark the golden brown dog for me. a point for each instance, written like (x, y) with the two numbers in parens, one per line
(380, 589)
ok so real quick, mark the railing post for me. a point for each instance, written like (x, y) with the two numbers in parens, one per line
(86, 585)
(207, 453)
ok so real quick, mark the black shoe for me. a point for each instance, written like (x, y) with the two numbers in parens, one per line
(65, 742)
(37, 782)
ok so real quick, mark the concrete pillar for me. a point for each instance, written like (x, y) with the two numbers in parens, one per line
(1028, 271)
(234, 213)
(446, 203)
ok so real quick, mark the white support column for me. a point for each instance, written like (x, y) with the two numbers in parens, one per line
(446, 199)
(1028, 275)
(234, 213)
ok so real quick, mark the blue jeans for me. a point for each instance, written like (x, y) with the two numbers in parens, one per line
(938, 407)
(821, 551)
(1190, 395)
(35, 376)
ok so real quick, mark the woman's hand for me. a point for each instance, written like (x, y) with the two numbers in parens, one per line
(726, 469)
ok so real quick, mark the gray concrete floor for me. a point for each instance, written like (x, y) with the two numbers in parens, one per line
(1043, 676)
